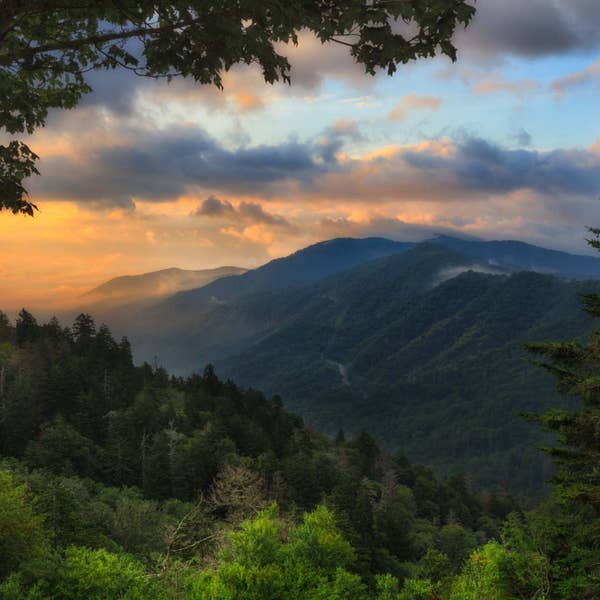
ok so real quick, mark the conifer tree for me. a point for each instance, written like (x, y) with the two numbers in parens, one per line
(576, 366)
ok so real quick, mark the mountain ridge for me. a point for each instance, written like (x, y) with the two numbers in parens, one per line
(153, 283)
(421, 340)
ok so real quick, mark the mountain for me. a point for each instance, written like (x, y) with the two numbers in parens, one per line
(304, 267)
(206, 321)
(420, 344)
(519, 256)
(156, 283)
(425, 352)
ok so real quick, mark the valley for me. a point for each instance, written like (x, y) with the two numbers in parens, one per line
(419, 344)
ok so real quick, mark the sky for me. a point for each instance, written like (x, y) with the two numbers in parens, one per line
(145, 175)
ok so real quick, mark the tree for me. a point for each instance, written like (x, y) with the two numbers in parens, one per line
(6, 352)
(101, 575)
(22, 533)
(84, 329)
(263, 562)
(576, 366)
(5, 328)
(47, 47)
(27, 328)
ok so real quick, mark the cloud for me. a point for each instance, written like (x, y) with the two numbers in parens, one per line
(499, 84)
(246, 211)
(244, 88)
(149, 165)
(312, 62)
(156, 165)
(530, 28)
(569, 82)
(413, 102)
(344, 128)
(213, 207)
(471, 166)
(254, 212)
(522, 138)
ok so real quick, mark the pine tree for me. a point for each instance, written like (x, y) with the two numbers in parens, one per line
(576, 366)
(27, 328)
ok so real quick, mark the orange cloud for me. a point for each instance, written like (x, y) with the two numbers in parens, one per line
(499, 84)
(413, 102)
(568, 82)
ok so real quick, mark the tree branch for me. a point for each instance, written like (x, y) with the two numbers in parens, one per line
(96, 40)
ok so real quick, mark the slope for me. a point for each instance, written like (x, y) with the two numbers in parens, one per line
(428, 364)
(157, 283)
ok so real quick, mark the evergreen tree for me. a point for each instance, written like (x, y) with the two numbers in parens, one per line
(576, 366)
(5, 328)
(84, 330)
(27, 329)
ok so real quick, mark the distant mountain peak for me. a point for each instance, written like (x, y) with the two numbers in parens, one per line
(516, 255)
(157, 283)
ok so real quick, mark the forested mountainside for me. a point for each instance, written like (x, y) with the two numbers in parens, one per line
(422, 347)
(119, 481)
(129, 460)
(156, 326)
(301, 268)
(425, 352)
(159, 329)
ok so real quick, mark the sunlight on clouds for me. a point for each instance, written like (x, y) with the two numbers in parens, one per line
(413, 102)
(127, 174)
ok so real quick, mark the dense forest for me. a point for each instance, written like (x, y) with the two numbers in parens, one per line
(421, 345)
(119, 481)
(435, 367)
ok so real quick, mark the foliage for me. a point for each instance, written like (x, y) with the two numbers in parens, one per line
(267, 561)
(22, 533)
(438, 370)
(482, 577)
(120, 481)
(46, 49)
(101, 575)
(154, 475)
(576, 366)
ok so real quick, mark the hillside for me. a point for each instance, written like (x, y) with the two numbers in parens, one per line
(519, 256)
(130, 288)
(207, 319)
(115, 477)
(432, 366)
(409, 345)
(301, 268)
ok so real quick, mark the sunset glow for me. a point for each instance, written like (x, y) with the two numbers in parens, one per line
(502, 144)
